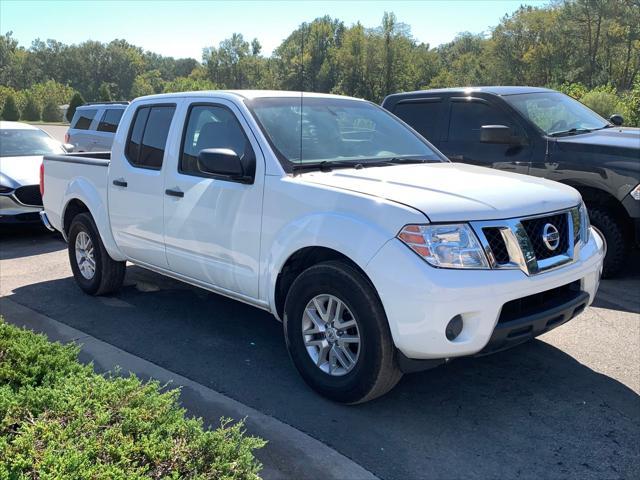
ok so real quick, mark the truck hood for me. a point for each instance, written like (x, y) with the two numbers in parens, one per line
(448, 192)
(613, 141)
(20, 170)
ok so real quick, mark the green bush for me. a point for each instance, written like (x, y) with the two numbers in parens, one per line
(75, 102)
(59, 419)
(603, 102)
(51, 112)
(104, 92)
(31, 111)
(10, 110)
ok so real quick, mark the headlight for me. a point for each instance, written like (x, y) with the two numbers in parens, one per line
(447, 246)
(635, 193)
(584, 224)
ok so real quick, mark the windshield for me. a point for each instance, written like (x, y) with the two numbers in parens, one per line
(556, 113)
(21, 143)
(336, 132)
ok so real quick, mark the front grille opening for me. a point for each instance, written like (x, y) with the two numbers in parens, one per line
(497, 245)
(29, 195)
(535, 227)
(539, 302)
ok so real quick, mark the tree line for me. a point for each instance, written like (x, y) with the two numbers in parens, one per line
(587, 48)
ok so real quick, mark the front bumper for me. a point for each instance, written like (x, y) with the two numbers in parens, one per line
(420, 300)
(13, 212)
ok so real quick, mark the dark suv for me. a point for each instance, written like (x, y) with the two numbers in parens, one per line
(539, 132)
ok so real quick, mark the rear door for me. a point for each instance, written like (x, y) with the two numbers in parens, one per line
(107, 126)
(461, 141)
(136, 185)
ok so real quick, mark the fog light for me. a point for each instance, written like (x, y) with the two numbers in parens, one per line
(454, 327)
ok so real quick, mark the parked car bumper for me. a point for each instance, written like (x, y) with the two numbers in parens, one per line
(420, 301)
(12, 211)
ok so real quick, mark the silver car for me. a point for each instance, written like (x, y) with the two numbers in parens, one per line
(21, 149)
(94, 125)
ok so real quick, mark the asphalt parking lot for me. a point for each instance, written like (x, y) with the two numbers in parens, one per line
(566, 405)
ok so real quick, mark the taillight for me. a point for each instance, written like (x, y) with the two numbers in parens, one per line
(66, 137)
(42, 179)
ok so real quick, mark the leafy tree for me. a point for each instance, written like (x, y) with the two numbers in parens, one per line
(104, 93)
(604, 103)
(10, 110)
(51, 112)
(31, 111)
(74, 103)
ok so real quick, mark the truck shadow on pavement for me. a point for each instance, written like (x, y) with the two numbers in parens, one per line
(27, 241)
(531, 412)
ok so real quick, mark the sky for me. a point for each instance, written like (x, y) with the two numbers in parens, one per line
(183, 28)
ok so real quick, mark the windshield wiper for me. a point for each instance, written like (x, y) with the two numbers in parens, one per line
(571, 131)
(328, 165)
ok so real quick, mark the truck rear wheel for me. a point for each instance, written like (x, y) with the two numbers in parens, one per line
(614, 237)
(338, 335)
(95, 272)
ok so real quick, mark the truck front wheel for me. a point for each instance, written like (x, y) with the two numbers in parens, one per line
(337, 334)
(96, 273)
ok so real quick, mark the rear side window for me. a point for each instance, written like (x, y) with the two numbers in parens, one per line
(148, 136)
(110, 120)
(425, 117)
(468, 117)
(83, 118)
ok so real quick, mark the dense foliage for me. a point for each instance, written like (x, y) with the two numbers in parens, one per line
(58, 419)
(576, 45)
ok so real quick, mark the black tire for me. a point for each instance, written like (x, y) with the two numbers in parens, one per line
(614, 235)
(109, 274)
(376, 370)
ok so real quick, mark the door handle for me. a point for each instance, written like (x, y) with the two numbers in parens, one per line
(174, 193)
(456, 158)
(120, 182)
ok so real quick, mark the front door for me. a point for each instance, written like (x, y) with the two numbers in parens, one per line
(212, 225)
(462, 144)
(136, 186)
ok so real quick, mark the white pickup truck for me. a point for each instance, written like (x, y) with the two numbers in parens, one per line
(378, 254)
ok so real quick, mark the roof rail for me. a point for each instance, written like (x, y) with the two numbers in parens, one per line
(123, 102)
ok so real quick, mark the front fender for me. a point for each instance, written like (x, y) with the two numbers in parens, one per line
(83, 190)
(350, 236)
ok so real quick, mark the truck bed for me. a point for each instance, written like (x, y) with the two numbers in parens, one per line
(67, 173)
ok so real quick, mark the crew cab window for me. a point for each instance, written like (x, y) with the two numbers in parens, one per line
(110, 120)
(83, 118)
(467, 118)
(424, 117)
(211, 126)
(148, 136)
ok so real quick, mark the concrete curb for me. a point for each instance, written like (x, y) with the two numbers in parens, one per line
(290, 453)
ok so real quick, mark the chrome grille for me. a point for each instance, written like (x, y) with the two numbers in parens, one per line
(535, 229)
(518, 243)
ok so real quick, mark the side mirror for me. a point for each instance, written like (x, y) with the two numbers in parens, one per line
(68, 147)
(498, 134)
(616, 119)
(222, 162)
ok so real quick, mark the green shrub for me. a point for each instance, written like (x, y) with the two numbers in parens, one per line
(59, 419)
(603, 102)
(10, 110)
(31, 111)
(75, 102)
(51, 112)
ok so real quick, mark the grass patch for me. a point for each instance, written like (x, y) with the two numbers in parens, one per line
(59, 419)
